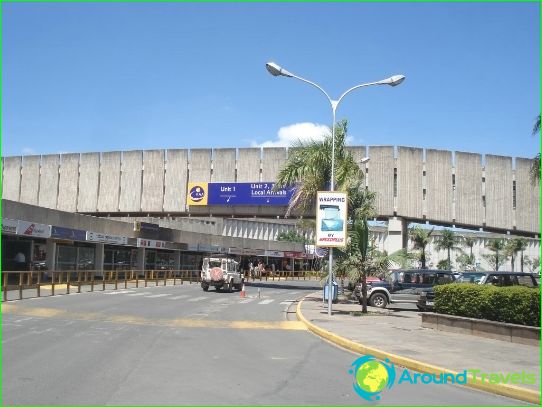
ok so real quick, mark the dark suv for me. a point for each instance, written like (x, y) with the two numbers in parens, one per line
(404, 286)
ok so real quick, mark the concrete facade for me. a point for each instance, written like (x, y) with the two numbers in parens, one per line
(436, 185)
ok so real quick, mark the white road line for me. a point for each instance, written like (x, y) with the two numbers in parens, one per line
(134, 294)
(220, 301)
(265, 302)
(117, 292)
(246, 301)
(287, 302)
(178, 297)
(157, 295)
(196, 299)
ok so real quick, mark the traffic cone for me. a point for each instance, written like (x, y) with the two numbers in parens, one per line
(242, 293)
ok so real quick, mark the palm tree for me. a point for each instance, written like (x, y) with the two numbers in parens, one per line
(496, 246)
(447, 241)
(469, 241)
(420, 238)
(513, 246)
(360, 260)
(532, 264)
(309, 168)
(535, 166)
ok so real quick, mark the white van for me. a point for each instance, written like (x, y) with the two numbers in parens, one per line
(221, 273)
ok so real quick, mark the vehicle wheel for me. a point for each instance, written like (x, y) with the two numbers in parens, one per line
(205, 287)
(230, 287)
(422, 309)
(378, 300)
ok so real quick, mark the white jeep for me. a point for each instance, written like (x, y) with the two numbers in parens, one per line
(221, 273)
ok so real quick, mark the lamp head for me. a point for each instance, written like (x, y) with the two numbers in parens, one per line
(276, 70)
(365, 160)
(395, 80)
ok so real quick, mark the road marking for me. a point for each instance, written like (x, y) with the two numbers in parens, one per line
(157, 295)
(246, 301)
(196, 299)
(137, 320)
(178, 297)
(287, 302)
(117, 292)
(134, 294)
(265, 302)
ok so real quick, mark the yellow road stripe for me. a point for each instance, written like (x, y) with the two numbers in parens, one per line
(135, 320)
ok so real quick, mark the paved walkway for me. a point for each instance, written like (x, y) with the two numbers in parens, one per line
(399, 332)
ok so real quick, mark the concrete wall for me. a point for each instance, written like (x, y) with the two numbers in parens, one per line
(380, 178)
(108, 196)
(176, 180)
(130, 181)
(68, 182)
(498, 191)
(49, 181)
(89, 178)
(156, 181)
(11, 178)
(469, 208)
(409, 182)
(152, 199)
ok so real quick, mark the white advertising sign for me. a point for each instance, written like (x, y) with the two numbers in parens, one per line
(152, 244)
(105, 238)
(9, 226)
(33, 229)
(331, 219)
(274, 253)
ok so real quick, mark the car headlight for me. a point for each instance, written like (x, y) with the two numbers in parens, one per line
(423, 294)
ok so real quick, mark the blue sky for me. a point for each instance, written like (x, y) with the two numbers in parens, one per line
(82, 77)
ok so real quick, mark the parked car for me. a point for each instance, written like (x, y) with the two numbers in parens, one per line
(499, 278)
(471, 277)
(404, 286)
(509, 278)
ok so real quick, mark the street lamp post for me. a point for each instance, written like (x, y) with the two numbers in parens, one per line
(395, 80)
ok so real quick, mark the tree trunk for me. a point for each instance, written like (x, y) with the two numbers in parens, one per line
(364, 293)
(512, 261)
(422, 258)
(521, 261)
(449, 260)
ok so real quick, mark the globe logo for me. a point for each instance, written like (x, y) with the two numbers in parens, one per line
(197, 193)
(372, 376)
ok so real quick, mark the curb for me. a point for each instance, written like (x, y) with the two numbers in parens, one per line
(507, 390)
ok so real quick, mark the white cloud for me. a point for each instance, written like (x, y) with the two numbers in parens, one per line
(288, 135)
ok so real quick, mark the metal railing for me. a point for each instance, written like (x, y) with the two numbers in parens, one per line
(89, 280)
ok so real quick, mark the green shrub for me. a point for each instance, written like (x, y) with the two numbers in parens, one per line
(515, 305)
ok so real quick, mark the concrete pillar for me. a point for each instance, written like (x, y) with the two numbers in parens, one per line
(99, 257)
(397, 235)
(50, 254)
(177, 259)
(141, 258)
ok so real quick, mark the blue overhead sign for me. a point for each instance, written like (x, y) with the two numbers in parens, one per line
(237, 193)
(67, 233)
(248, 193)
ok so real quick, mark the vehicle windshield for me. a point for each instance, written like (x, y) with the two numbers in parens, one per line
(215, 263)
(470, 277)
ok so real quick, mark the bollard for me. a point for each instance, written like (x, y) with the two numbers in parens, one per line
(174, 275)
(145, 274)
(156, 277)
(52, 283)
(165, 277)
(92, 282)
(39, 284)
(5, 286)
(79, 282)
(21, 286)
(125, 280)
(68, 281)
(116, 280)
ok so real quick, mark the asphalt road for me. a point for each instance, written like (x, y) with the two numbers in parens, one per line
(178, 345)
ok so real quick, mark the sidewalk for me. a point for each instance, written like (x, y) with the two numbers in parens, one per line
(399, 333)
